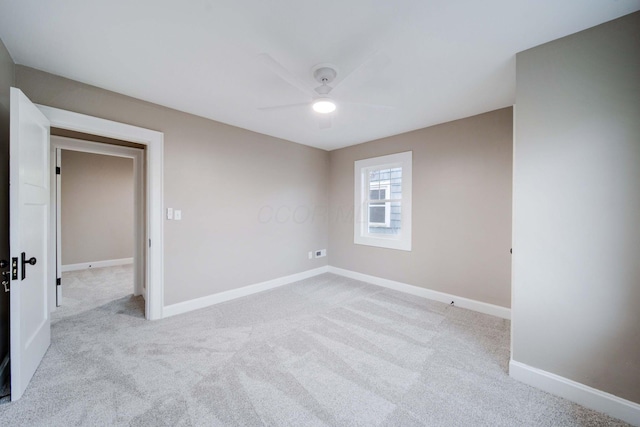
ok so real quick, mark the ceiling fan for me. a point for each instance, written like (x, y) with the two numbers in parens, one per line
(321, 102)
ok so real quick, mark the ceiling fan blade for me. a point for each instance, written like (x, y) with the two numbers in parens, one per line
(373, 64)
(284, 107)
(285, 74)
(325, 121)
(368, 105)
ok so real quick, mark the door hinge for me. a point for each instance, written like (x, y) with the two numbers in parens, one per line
(149, 242)
(58, 281)
(57, 170)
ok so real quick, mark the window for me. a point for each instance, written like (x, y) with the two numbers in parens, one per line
(383, 201)
(379, 207)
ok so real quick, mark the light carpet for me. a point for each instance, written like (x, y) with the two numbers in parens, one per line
(326, 351)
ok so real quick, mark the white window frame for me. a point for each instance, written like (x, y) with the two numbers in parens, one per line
(361, 235)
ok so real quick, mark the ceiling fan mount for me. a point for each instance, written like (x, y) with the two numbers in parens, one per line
(324, 74)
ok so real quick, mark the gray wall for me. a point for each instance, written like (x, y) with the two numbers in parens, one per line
(96, 208)
(227, 181)
(577, 208)
(6, 81)
(461, 215)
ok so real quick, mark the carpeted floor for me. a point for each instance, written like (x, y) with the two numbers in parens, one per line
(85, 290)
(323, 351)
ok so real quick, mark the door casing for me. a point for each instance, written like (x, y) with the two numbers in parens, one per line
(154, 230)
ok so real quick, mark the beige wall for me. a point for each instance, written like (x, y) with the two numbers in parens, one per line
(577, 208)
(461, 209)
(96, 208)
(222, 178)
(6, 81)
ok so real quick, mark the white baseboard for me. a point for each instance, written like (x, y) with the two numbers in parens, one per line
(576, 392)
(97, 264)
(482, 307)
(195, 304)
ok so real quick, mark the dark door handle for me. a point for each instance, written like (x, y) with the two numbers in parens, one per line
(5, 279)
(25, 261)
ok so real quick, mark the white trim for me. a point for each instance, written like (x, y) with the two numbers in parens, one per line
(576, 392)
(513, 210)
(154, 142)
(198, 303)
(481, 307)
(96, 264)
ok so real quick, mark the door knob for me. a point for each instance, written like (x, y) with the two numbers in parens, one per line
(25, 261)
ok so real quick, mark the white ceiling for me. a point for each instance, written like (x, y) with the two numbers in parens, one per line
(445, 59)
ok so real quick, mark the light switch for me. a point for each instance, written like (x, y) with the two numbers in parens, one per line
(177, 215)
(169, 213)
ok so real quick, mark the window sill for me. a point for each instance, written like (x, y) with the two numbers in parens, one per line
(391, 242)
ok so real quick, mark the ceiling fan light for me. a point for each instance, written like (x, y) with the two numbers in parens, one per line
(324, 105)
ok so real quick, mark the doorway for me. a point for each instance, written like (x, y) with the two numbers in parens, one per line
(97, 211)
(153, 143)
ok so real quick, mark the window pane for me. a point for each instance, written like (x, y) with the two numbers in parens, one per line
(396, 216)
(379, 194)
(385, 183)
(377, 213)
(396, 183)
(385, 218)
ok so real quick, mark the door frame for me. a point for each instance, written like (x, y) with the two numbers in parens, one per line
(136, 154)
(154, 149)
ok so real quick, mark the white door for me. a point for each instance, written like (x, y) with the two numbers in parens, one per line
(29, 230)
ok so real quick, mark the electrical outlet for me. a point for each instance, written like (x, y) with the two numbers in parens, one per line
(320, 253)
(177, 214)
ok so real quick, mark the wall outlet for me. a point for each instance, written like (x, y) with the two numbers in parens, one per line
(177, 215)
(320, 253)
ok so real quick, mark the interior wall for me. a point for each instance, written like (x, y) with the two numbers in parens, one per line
(577, 208)
(461, 216)
(97, 207)
(253, 206)
(7, 79)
